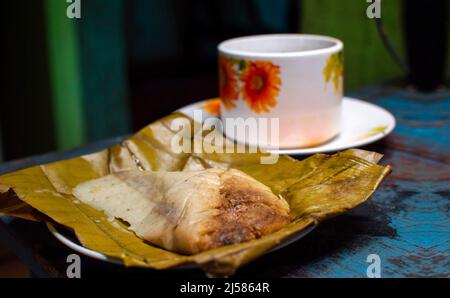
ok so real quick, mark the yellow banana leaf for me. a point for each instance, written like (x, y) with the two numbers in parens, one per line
(316, 188)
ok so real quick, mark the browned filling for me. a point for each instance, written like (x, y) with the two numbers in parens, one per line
(246, 214)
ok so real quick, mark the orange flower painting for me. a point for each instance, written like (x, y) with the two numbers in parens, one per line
(261, 85)
(212, 106)
(228, 83)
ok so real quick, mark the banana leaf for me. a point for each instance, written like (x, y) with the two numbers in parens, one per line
(316, 188)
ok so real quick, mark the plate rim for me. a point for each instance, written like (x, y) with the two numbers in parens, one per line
(102, 257)
(78, 247)
(320, 149)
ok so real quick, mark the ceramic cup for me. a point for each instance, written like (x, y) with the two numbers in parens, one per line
(296, 78)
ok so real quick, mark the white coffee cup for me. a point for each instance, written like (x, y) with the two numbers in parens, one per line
(296, 78)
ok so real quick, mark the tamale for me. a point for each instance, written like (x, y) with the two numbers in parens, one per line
(191, 211)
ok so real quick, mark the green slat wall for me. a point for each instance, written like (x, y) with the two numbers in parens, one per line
(65, 76)
(366, 60)
(104, 73)
(88, 61)
(88, 71)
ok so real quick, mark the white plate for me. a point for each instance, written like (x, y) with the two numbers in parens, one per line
(362, 123)
(65, 238)
(79, 248)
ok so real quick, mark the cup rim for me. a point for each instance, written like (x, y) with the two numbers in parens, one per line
(337, 46)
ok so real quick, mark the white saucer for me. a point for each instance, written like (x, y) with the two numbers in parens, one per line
(362, 123)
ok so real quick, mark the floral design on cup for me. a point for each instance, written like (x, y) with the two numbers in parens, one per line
(296, 78)
(261, 85)
(334, 70)
(228, 83)
(256, 82)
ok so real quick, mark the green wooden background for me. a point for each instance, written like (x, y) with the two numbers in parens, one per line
(87, 58)
(88, 71)
(366, 59)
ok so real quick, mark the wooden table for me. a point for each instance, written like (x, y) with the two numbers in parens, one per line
(408, 225)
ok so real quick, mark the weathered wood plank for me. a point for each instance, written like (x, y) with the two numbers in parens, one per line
(408, 225)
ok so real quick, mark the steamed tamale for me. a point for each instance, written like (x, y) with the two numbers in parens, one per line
(188, 212)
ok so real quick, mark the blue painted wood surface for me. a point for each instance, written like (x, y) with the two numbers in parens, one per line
(407, 225)
(411, 227)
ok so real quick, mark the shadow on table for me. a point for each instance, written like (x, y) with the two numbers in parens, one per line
(340, 234)
(46, 257)
(343, 233)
